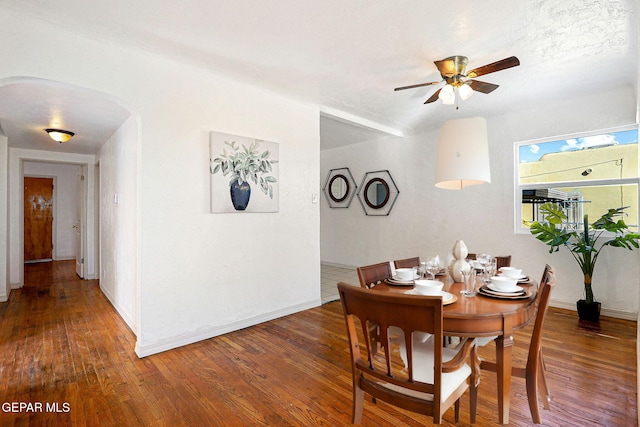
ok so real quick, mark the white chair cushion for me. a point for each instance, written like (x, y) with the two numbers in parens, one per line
(423, 367)
(423, 364)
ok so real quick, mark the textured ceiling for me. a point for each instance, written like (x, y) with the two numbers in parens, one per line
(347, 56)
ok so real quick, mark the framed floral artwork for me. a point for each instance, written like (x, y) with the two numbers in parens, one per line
(244, 174)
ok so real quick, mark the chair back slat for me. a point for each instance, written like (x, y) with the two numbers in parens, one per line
(407, 262)
(371, 275)
(547, 283)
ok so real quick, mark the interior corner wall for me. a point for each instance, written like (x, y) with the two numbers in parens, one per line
(5, 284)
(206, 274)
(426, 220)
(200, 274)
(118, 212)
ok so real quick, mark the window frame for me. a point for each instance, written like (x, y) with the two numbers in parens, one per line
(518, 188)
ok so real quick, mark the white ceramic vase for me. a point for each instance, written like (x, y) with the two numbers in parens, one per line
(460, 253)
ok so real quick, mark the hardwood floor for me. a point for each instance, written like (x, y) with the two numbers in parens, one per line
(63, 346)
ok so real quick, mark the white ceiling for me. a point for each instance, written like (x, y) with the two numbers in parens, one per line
(347, 56)
(27, 106)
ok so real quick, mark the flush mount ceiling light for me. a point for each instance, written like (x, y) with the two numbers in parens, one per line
(60, 135)
(463, 154)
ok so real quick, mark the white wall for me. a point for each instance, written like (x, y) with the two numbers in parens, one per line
(427, 220)
(118, 202)
(5, 284)
(66, 204)
(200, 274)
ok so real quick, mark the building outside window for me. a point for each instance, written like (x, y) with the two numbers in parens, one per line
(586, 173)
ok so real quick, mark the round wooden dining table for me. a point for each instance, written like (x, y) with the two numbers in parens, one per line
(482, 316)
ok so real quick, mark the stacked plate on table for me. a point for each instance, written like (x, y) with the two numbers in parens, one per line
(397, 281)
(514, 273)
(403, 277)
(518, 292)
(522, 278)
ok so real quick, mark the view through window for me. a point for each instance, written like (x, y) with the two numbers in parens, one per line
(587, 174)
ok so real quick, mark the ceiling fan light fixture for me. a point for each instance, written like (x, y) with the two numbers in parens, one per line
(60, 135)
(465, 92)
(447, 95)
(453, 71)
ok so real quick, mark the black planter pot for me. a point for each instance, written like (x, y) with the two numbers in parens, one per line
(588, 312)
(240, 194)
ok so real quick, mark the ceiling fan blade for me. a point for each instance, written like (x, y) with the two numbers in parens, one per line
(418, 85)
(433, 97)
(493, 67)
(483, 87)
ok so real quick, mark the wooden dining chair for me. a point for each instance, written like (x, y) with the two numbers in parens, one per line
(534, 371)
(435, 378)
(371, 275)
(407, 262)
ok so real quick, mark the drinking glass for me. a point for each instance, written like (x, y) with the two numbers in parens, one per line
(422, 270)
(433, 266)
(490, 269)
(469, 279)
(483, 260)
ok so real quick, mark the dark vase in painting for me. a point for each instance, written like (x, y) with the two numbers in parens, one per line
(240, 194)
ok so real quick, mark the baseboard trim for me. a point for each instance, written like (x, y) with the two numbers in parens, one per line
(335, 264)
(128, 319)
(626, 315)
(148, 349)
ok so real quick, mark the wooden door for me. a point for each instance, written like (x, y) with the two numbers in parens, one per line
(38, 219)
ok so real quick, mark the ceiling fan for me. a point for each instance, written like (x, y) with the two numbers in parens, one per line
(453, 72)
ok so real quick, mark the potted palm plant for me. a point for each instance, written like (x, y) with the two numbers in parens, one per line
(585, 243)
(242, 165)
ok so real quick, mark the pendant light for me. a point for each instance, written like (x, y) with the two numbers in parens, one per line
(463, 154)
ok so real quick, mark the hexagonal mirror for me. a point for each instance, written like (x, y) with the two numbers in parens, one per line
(339, 188)
(378, 193)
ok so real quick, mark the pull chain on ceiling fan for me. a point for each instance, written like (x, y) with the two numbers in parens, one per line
(453, 72)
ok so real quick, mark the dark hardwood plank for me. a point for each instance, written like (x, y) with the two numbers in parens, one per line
(62, 343)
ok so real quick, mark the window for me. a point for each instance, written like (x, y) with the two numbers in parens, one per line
(587, 174)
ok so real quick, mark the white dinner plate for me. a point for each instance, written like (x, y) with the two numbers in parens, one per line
(447, 298)
(485, 291)
(493, 288)
(522, 277)
(394, 282)
(397, 279)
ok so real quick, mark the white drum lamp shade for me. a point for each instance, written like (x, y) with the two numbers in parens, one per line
(463, 154)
